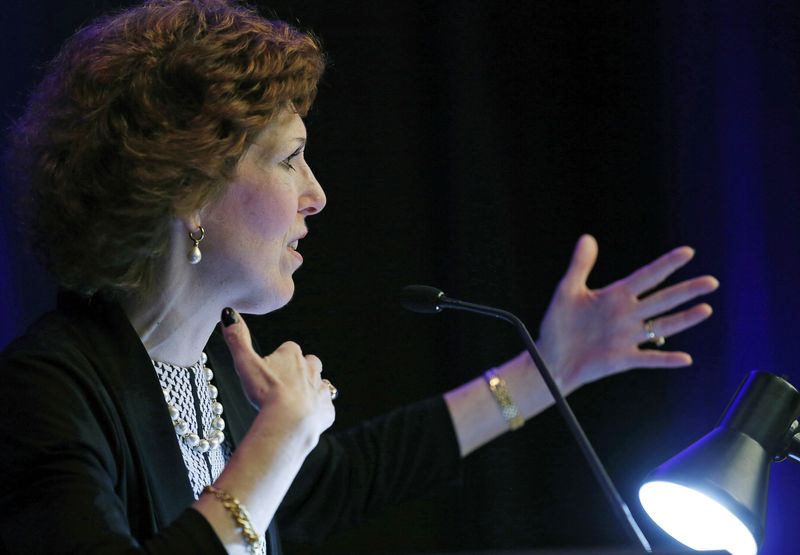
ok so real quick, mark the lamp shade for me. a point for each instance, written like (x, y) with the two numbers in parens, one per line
(713, 495)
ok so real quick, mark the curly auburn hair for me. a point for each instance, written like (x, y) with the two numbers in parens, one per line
(144, 115)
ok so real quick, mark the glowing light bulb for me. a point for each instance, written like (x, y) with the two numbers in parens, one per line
(696, 520)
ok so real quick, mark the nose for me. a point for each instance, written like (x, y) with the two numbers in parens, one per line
(313, 199)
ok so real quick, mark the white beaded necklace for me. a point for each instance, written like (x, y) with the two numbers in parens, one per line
(213, 437)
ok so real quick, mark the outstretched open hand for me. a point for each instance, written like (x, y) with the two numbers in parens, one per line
(588, 334)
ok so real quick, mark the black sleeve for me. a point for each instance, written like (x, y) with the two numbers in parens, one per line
(352, 475)
(65, 482)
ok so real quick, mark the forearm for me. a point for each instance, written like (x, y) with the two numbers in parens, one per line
(477, 419)
(258, 475)
(356, 474)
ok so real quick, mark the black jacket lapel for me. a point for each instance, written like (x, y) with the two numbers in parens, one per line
(125, 364)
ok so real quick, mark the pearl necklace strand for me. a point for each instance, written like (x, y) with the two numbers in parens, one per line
(213, 439)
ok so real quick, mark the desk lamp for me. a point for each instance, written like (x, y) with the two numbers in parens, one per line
(713, 495)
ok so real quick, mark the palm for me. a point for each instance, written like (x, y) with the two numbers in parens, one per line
(588, 334)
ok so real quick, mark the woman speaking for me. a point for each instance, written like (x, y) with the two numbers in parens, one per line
(167, 191)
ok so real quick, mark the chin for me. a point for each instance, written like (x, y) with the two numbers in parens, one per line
(269, 299)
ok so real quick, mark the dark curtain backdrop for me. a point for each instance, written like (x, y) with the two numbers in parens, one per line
(468, 144)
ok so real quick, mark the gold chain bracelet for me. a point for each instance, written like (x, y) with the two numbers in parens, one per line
(240, 515)
(508, 408)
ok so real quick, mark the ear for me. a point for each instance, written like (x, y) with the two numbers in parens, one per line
(190, 222)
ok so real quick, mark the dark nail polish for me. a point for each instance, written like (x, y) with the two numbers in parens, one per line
(228, 317)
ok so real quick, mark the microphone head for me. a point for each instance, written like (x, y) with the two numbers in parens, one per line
(421, 298)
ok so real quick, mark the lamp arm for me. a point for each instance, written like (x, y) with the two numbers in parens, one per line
(793, 450)
(791, 444)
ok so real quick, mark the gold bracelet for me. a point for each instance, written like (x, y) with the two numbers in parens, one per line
(240, 516)
(508, 408)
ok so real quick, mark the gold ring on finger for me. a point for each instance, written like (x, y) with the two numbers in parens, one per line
(657, 340)
(332, 388)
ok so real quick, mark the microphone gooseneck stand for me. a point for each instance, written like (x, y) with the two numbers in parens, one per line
(429, 300)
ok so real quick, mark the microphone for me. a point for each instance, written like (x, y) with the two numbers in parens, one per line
(422, 298)
(429, 300)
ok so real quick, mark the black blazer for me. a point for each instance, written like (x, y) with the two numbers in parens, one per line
(91, 464)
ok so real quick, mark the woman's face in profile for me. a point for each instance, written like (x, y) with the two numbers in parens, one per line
(252, 231)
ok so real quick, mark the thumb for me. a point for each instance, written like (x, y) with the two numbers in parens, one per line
(583, 259)
(237, 337)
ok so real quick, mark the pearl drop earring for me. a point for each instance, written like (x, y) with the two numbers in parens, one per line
(194, 254)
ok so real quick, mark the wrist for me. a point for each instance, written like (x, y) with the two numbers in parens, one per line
(505, 402)
(559, 367)
(288, 423)
(240, 518)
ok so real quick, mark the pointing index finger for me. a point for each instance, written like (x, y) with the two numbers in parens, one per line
(237, 336)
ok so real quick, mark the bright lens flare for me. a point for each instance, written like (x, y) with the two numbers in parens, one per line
(695, 520)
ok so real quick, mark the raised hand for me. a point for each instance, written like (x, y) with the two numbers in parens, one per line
(588, 334)
(287, 383)
(295, 407)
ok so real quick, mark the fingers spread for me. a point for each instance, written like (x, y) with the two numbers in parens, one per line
(647, 277)
(680, 321)
(659, 359)
(583, 259)
(671, 297)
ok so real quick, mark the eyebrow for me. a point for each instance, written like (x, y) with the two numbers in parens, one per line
(301, 140)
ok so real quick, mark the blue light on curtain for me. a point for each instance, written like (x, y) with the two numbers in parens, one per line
(741, 189)
(734, 106)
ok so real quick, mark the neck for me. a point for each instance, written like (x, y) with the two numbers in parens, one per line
(174, 330)
(175, 320)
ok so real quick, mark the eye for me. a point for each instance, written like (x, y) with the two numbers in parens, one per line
(288, 162)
